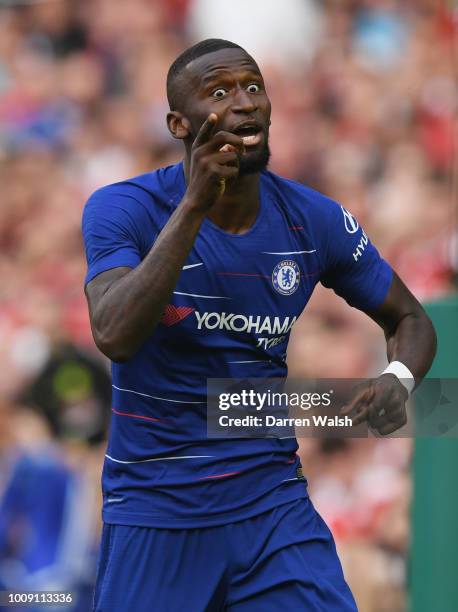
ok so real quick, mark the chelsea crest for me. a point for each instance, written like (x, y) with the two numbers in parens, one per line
(286, 276)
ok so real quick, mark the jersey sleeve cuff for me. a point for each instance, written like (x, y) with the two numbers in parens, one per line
(108, 263)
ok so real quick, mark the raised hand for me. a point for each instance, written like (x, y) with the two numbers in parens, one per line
(215, 159)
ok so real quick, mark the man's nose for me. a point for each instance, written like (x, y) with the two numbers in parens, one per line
(243, 102)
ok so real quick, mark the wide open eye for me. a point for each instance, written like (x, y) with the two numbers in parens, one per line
(253, 88)
(219, 93)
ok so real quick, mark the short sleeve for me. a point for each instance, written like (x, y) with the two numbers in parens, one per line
(113, 229)
(353, 267)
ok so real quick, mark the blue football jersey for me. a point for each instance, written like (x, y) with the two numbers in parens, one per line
(230, 316)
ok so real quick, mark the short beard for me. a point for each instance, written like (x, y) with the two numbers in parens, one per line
(255, 162)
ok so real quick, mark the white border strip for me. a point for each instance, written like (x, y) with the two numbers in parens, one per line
(253, 361)
(208, 297)
(164, 399)
(287, 252)
(158, 458)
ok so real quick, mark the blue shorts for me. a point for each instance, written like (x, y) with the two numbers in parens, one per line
(281, 560)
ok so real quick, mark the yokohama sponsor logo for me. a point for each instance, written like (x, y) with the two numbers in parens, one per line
(240, 323)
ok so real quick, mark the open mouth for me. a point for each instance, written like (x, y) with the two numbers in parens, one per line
(250, 134)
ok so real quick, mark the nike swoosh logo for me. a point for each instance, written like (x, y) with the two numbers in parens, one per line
(192, 266)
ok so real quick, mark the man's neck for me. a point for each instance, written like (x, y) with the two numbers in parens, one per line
(237, 209)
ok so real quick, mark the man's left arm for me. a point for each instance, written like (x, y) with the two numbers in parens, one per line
(411, 340)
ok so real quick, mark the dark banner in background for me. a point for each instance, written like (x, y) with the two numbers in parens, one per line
(434, 540)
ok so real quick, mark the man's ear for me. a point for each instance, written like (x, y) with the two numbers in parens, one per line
(178, 125)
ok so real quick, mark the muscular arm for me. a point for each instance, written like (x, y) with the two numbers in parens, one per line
(411, 339)
(409, 333)
(126, 304)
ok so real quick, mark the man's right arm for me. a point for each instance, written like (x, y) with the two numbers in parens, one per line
(126, 304)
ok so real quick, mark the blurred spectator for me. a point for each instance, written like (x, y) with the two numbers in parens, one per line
(51, 455)
(49, 509)
(73, 391)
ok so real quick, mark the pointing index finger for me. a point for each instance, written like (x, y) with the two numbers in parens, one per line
(206, 130)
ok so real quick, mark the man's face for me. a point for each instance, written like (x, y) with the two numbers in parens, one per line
(228, 82)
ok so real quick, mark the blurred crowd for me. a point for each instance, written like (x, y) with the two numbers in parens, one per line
(364, 99)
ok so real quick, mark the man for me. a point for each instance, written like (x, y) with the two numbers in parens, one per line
(199, 270)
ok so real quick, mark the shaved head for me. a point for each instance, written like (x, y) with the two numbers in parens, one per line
(204, 47)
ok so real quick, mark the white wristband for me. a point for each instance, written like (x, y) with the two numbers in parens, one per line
(406, 378)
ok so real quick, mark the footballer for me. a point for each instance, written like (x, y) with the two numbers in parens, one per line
(199, 270)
